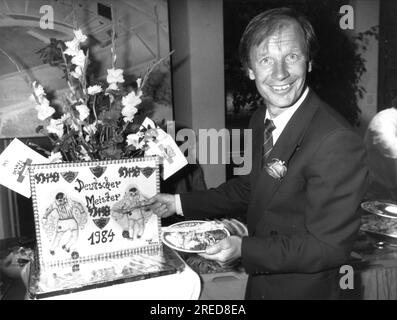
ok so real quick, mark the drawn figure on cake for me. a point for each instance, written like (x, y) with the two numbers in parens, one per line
(62, 216)
(130, 214)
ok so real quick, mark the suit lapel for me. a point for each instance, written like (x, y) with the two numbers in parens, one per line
(285, 148)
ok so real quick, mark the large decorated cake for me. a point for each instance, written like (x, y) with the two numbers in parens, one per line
(92, 226)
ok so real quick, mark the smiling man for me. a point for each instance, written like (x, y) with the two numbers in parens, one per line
(308, 177)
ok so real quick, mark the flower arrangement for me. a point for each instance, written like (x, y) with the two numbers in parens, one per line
(276, 169)
(97, 120)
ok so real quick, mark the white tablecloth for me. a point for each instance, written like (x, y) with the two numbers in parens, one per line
(184, 285)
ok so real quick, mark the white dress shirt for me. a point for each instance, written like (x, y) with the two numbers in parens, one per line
(280, 123)
(283, 118)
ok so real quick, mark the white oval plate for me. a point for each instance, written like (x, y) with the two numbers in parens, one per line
(193, 236)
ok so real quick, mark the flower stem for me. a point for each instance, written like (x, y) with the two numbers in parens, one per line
(24, 77)
(153, 67)
(94, 109)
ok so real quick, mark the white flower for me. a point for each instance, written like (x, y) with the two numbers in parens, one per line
(115, 76)
(83, 110)
(39, 93)
(131, 100)
(72, 47)
(65, 117)
(79, 59)
(94, 89)
(90, 130)
(44, 110)
(55, 157)
(38, 89)
(56, 127)
(74, 126)
(276, 169)
(129, 113)
(133, 139)
(79, 36)
(77, 73)
(112, 86)
(138, 82)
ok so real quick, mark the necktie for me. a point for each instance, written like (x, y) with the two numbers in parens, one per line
(268, 139)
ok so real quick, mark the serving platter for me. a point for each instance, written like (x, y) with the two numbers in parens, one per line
(380, 226)
(193, 236)
(384, 208)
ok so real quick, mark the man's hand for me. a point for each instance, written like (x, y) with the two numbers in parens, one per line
(225, 251)
(162, 204)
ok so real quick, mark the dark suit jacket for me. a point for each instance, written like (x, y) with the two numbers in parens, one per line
(302, 227)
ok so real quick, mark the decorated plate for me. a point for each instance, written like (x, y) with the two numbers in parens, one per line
(193, 236)
(382, 208)
(379, 225)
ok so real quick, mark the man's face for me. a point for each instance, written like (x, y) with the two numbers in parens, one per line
(278, 66)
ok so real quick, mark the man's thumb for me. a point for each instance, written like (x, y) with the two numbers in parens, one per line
(214, 248)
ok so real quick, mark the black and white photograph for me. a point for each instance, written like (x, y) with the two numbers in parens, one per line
(214, 151)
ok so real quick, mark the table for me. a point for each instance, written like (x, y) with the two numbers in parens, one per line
(224, 286)
(375, 270)
(375, 278)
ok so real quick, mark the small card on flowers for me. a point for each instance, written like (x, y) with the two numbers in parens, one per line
(14, 163)
(172, 157)
(164, 146)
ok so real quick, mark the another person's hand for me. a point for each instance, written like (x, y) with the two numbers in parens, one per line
(225, 251)
(14, 269)
(162, 204)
